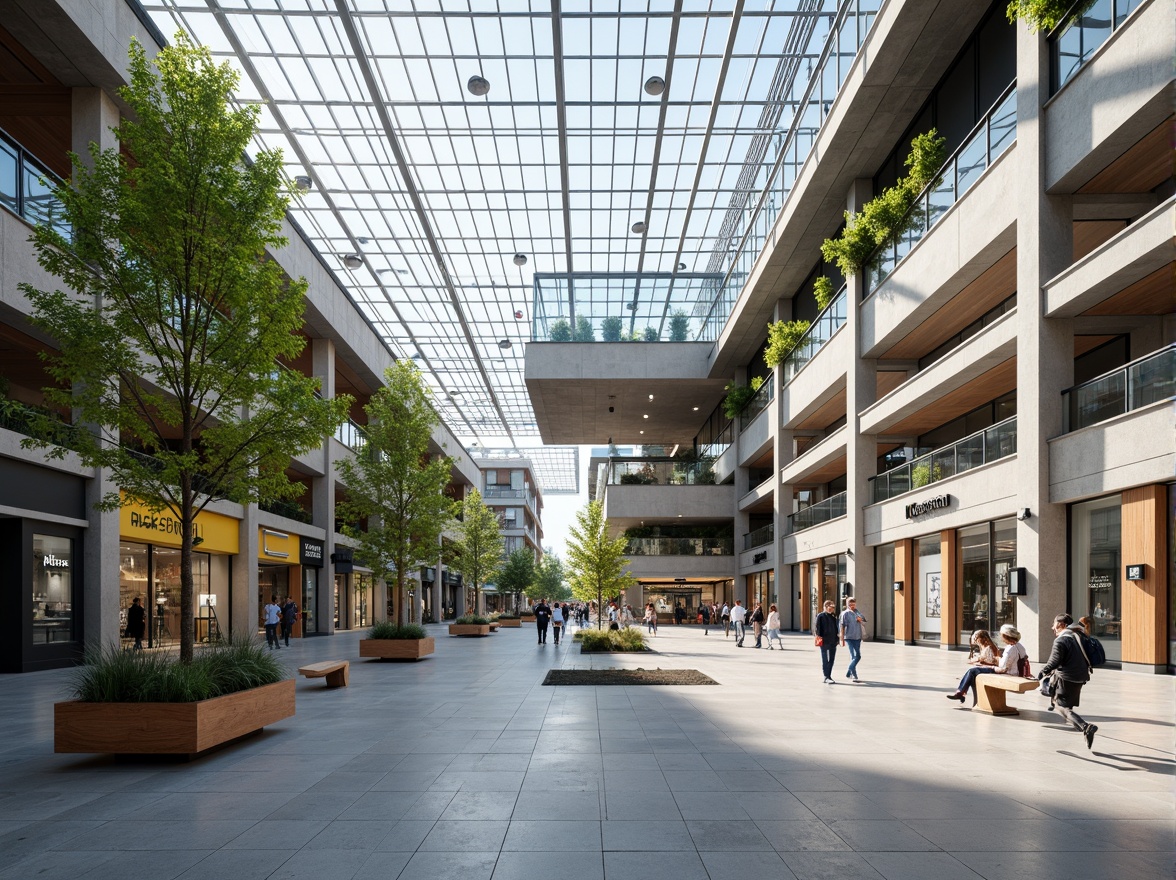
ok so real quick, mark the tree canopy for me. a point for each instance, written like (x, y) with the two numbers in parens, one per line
(596, 563)
(477, 552)
(518, 573)
(174, 323)
(395, 484)
(549, 580)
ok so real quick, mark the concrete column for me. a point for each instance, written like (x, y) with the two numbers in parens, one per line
(861, 390)
(93, 114)
(323, 489)
(782, 455)
(243, 591)
(1045, 353)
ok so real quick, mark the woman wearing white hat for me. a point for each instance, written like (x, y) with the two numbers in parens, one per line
(1014, 660)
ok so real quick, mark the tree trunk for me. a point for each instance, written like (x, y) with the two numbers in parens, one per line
(398, 599)
(187, 527)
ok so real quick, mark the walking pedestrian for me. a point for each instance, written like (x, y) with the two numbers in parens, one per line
(774, 627)
(557, 621)
(650, 618)
(289, 615)
(850, 626)
(757, 624)
(273, 615)
(725, 615)
(137, 623)
(825, 637)
(542, 618)
(1070, 669)
(705, 613)
(738, 616)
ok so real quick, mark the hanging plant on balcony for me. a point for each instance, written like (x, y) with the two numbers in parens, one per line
(925, 473)
(739, 396)
(783, 337)
(882, 218)
(1045, 15)
(823, 291)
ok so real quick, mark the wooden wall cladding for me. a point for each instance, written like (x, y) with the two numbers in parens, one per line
(1145, 602)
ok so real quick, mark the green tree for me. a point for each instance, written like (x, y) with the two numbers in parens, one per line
(549, 580)
(477, 552)
(395, 484)
(174, 321)
(596, 562)
(518, 573)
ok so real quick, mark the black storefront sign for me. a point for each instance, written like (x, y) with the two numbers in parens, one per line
(919, 508)
(344, 560)
(311, 552)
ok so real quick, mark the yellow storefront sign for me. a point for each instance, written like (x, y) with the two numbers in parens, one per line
(217, 533)
(275, 546)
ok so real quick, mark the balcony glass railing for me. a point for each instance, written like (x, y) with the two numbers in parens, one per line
(351, 435)
(660, 472)
(38, 423)
(504, 492)
(1147, 380)
(988, 140)
(26, 187)
(1079, 37)
(288, 509)
(680, 547)
(755, 406)
(821, 512)
(827, 323)
(762, 535)
(809, 100)
(991, 444)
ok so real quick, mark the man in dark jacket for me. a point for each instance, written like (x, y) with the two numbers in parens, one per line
(542, 618)
(1068, 665)
(825, 635)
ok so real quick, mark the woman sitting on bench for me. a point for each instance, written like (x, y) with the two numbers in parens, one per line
(1013, 660)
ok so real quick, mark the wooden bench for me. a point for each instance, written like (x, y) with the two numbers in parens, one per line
(991, 689)
(336, 672)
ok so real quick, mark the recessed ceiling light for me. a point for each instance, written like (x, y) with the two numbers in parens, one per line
(478, 85)
(645, 416)
(639, 227)
(651, 397)
(655, 85)
(520, 259)
(352, 261)
(696, 409)
(640, 432)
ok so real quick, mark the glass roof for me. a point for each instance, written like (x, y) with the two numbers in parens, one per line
(571, 159)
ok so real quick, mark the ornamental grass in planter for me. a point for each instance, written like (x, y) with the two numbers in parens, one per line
(612, 640)
(470, 625)
(509, 620)
(389, 641)
(134, 702)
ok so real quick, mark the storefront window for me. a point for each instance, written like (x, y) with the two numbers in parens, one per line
(1095, 564)
(361, 600)
(975, 571)
(309, 601)
(930, 589)
(272, 580)
(884, 592)
(1172, 575)
(152, 574)
(52, 590)
(1004, 558)
(133, 583)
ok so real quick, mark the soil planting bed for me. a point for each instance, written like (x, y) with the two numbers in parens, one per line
(627, 676)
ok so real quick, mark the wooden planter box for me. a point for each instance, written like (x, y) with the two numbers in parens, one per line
(527, 618)
(494, 625)
(396, 649)
(469, 629)
(510, 623)
(169, 728)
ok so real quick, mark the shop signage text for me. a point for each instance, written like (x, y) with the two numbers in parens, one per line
(158, 522)
(759, 557)
(51, 561)
(919, 508)
(312, 553)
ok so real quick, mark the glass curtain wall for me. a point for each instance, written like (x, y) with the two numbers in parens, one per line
(153, 575)
(1095, 568)
(929, 596)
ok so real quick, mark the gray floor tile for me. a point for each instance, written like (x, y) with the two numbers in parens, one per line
(382, 866)
(237, 864)
(823, 865)
(636, 835)
(659, 805)
(481, 805)
(405, 836)
(653, 866)
(709, 805)
(725, 835)
(467, 835)
(544, 835)
(353, 835)
(919, 866)
(558, 805)
(871, 835)
(322, 864)
(532, 865)
(152, 865)
(798, 835)
(744, 865)
(446, 866)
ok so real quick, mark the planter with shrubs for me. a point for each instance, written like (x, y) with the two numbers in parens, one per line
(608, 641)
(134, 702)
(388, 641)
(510, 621)
(470, 625)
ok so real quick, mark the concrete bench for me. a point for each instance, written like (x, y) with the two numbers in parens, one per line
(991, 689)
(336, 672)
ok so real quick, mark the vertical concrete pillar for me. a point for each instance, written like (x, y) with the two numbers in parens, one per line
(1045, 352)
(742, 520)
(322, 352)
(782, 454)
(1145, 602)
(93, 114)
(904, 599)
(861, 390)
(243, 594)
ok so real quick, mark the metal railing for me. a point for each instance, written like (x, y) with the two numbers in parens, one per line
(812, 97)
(828, 322)
(758, 403)
(351, 435)
(821, 512)
(660, 472)
(288, 509)
(1149, 379)
(26, 187)
(759, 537)
(504, 492)
(989, 139)
(988, 445)
(1081, 34)
(680, 547)
(38, 423)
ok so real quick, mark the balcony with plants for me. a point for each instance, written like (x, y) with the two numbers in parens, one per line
(661, 471)
(675, 540)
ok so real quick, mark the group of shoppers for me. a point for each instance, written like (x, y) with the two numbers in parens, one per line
(279, 621)
(831, 631)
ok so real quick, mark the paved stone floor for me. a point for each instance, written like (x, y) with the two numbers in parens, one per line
(463, 766)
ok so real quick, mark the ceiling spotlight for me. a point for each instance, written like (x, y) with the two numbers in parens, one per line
(651, 397)
(632, 307)
(645, 415)
(520, 259)
(639, 227)
(303, 183)
(655, 85)
(681, 267)
(640, 432)
(696, 409)
(478, 85)
(518, 314)
(352, 261)
(362, 240)
(504, 344)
